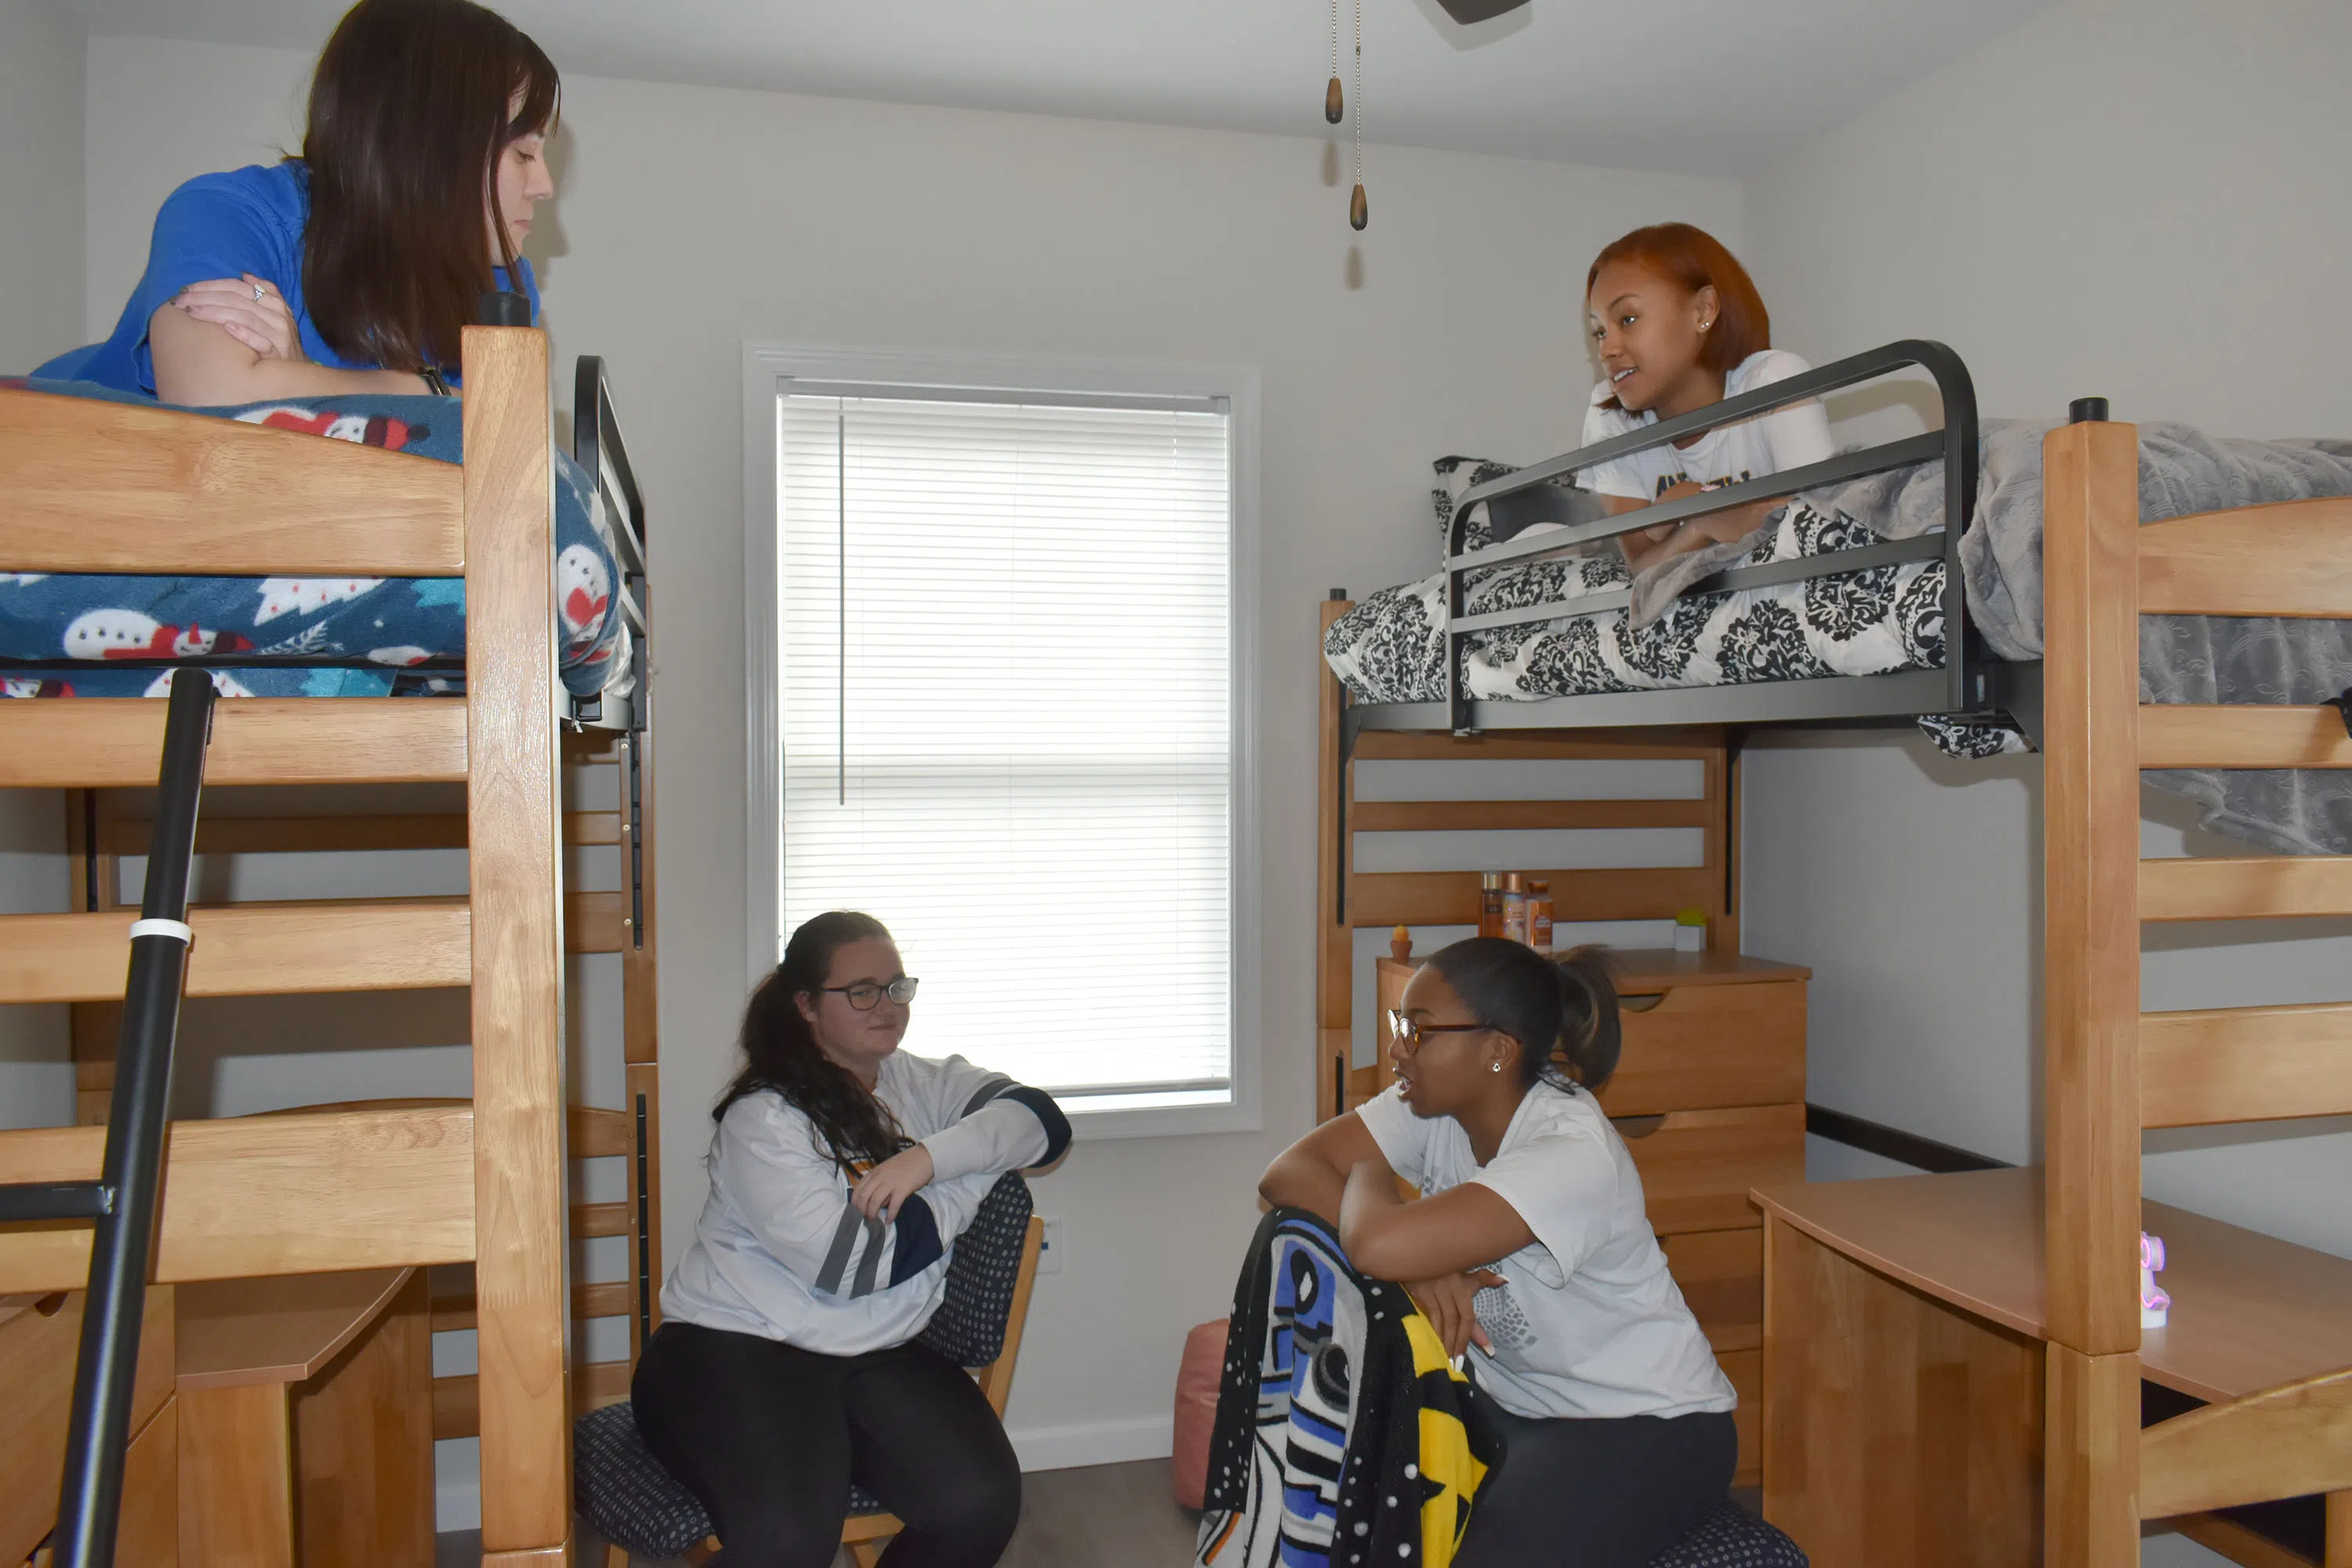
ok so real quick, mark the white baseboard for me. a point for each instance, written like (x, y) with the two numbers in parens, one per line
(1077, 1443)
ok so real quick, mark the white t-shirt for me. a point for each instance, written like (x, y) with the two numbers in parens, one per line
(1588, 1322)
(780, 1251)
(1767, 444)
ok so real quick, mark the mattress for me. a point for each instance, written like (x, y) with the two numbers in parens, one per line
(1392, 646)
(71, 634)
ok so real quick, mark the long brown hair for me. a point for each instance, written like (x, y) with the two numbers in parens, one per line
(1691, 259)
(781, 1052)
(408, 117)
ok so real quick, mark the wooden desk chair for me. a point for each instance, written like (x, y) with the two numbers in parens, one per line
(637, 1506)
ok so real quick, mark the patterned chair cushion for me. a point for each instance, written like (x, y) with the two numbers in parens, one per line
(969, 1327)
(1731, 1537)
(622, 1489)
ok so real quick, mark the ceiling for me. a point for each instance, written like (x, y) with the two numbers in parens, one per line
(1703, 87)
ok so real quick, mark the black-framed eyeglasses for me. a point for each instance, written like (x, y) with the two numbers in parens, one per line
(1407, 1031)
(865, 996)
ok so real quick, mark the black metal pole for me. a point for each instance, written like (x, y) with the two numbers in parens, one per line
(134, 1175)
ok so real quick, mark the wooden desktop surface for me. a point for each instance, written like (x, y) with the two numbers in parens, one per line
(2249, 1312)
(280, 1329)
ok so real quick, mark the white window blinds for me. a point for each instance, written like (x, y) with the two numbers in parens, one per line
(1005, 634)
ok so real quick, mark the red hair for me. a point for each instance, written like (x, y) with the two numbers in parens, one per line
(1693, 259)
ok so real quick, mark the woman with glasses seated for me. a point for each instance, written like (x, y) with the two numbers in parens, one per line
(1529, 1248)
(841, 1172)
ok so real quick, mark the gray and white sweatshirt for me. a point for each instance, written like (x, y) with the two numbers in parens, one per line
(781, 1252)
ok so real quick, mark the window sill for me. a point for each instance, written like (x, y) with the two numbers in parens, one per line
(1104, 1119)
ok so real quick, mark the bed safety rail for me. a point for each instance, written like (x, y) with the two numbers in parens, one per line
(1969, 682)
(125, 1199)
(596, 447)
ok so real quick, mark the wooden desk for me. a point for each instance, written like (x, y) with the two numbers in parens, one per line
(1903, 1355)
(40, 1337)
(306, 1421)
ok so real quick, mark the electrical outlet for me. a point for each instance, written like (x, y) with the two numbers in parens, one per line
(1049, 1255)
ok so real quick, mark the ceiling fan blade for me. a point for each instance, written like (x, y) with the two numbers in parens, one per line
(1468, 11)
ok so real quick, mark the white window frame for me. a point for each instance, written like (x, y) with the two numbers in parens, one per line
(769, 371)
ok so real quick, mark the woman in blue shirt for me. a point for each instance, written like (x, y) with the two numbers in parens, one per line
(355, 266)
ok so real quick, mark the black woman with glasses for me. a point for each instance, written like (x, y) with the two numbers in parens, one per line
(841, 1172)
(1529, 1250)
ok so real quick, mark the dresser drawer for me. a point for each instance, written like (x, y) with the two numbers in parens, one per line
(1698, 1165)
(1721, 1274)
(1692, 1047)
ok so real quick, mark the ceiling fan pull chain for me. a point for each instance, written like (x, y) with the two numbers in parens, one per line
(1334, 107)
(1358, 213)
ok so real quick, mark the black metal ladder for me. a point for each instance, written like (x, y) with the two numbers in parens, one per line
(125, 1198)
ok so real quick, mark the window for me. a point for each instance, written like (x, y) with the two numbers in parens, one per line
(1004, 631)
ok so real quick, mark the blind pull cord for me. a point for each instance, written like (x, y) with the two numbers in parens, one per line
(841, 603)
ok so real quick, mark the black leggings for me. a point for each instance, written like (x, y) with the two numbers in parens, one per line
(1598, 1493)
(769, 1437)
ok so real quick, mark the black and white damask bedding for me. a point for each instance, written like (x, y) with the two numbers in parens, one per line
(1390, 648)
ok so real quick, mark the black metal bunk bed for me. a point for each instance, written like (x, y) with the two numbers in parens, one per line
(1970, 684)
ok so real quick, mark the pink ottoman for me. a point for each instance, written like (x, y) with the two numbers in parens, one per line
(1198, 1377)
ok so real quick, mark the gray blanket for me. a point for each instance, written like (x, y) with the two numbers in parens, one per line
(2182, 658)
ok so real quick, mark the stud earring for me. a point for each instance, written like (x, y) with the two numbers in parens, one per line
(1494, 1066)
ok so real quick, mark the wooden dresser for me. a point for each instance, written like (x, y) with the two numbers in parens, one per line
(1709, 1096)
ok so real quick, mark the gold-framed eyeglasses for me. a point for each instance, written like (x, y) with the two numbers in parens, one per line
(1406, 1030)
(867, 994)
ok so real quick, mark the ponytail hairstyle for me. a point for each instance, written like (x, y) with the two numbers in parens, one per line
(1563, 1012)
(781, 1052)
(408, 119)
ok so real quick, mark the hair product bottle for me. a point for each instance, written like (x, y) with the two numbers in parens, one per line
(1490, 903)
(1539, 914)
(1515, 908)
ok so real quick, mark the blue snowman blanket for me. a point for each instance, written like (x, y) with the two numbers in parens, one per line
(69, 634)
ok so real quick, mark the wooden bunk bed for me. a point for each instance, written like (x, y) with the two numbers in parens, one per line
(1974, 1240)
(1956, 1364)
(102, 487)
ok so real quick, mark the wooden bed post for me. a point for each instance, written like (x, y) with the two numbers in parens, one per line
(515, 869)
(1335, 943)
(2091, 1010)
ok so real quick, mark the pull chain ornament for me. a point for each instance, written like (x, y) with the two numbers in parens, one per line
(1334, 106)
(1358, 213)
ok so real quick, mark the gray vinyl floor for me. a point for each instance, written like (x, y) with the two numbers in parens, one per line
(1086, 1517)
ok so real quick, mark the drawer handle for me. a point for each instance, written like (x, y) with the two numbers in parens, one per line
(1641, 1004)
(1639, 1126)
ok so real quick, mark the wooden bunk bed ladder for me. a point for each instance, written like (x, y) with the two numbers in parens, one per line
(124, 1200)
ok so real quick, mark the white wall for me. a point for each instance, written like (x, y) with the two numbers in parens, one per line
(40, 314)
(693, 219)
(2142, 199)
(41, 181)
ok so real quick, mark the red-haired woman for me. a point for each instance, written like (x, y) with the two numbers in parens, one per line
(355, 267)
(1678, 325)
